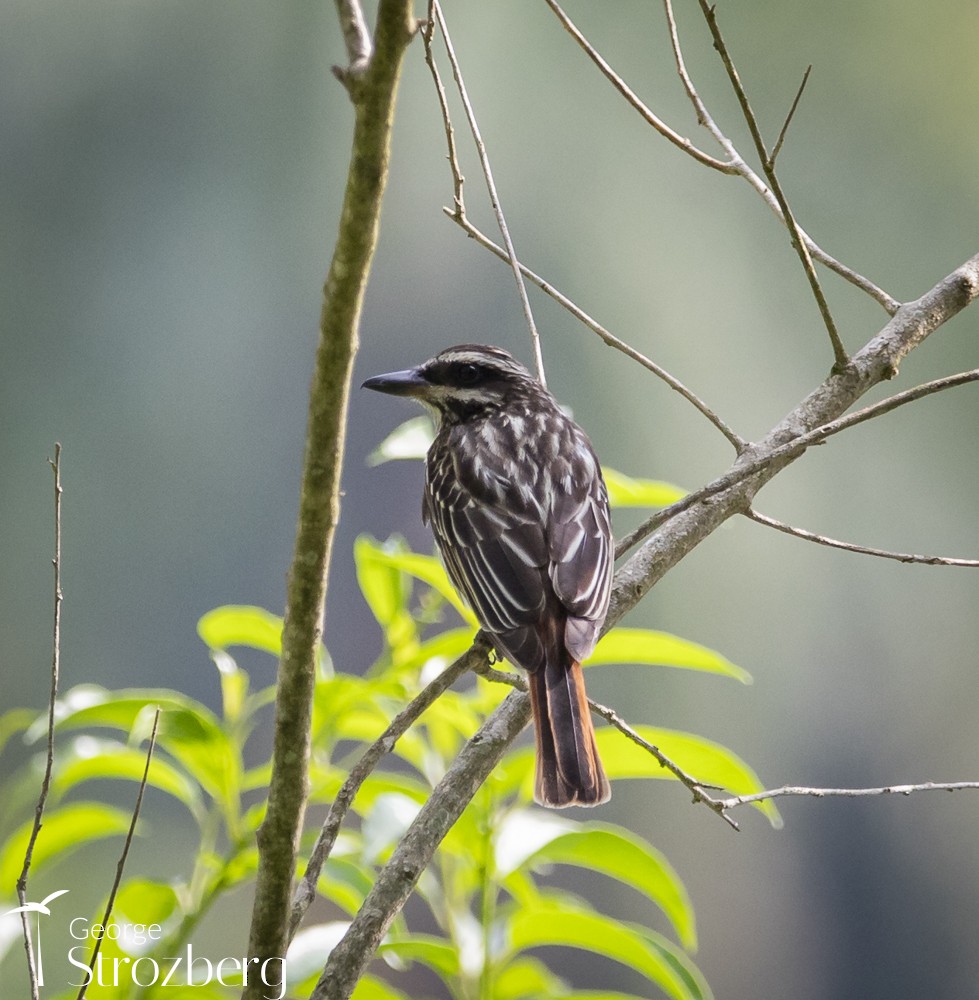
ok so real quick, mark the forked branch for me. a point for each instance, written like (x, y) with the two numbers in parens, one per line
(768, 166)
(734, 164)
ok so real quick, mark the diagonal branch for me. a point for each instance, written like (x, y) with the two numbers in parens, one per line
(734, 165)
(472, 659)
(768, 166)
(459, 216)
(435, 12)
(879, 360)
(810, 536)
(687, 780)
(667, 545)
(121, 865)
(398, 877)
(733, 493)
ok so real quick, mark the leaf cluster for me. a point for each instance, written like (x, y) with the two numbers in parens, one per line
(497, 896)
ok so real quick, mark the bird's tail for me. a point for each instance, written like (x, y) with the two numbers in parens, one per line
(569, 771)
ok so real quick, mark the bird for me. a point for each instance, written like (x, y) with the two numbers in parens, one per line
(515, 498)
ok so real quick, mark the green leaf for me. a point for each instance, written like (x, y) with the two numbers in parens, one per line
(704, 760)
(188, 731)
(90, 705)
(639, 645)
(17, 720)
(429, 570)
(234, 685)
(562, 924)
(371, 988)
(624, 491)
(408, 440)
(64, 831)
(597, 995)
(527, 978)
(437, 653)
(387, 589)
(326, 782)
(241, 625)
(199, 991)
(433, 952)
(527, 838)
(197, 741)
(336, 698)
(381, 581)
(345, 883)
(621, 855)
(89, 758)
(522, 833)
(146, 902)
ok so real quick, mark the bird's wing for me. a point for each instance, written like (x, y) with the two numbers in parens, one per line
(580, 548)
(494, 551)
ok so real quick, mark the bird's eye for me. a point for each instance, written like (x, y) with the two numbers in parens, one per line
(468, 374)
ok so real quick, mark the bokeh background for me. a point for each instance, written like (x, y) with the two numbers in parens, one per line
(170, 182)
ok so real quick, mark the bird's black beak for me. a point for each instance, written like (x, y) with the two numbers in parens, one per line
(406, 383)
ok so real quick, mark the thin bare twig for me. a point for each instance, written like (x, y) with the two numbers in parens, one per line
(634, 101)
(789, 450)
(696, 788)
(620, 345)
(848, 793)
(427, 33)
(889, 303)
(810, 536)
(768, 166)
(777, 148)
(372, 756)
(32, 972)
(735, 164)
(121, 866)
(459, 216)
(435, 10)
(614, 719)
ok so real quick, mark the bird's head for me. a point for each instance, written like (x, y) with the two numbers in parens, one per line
(462, 381)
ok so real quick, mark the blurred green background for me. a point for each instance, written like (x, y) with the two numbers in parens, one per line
(170, 182)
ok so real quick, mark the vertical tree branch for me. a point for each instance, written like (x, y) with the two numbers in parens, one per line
(55, 464)
(373, 93)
